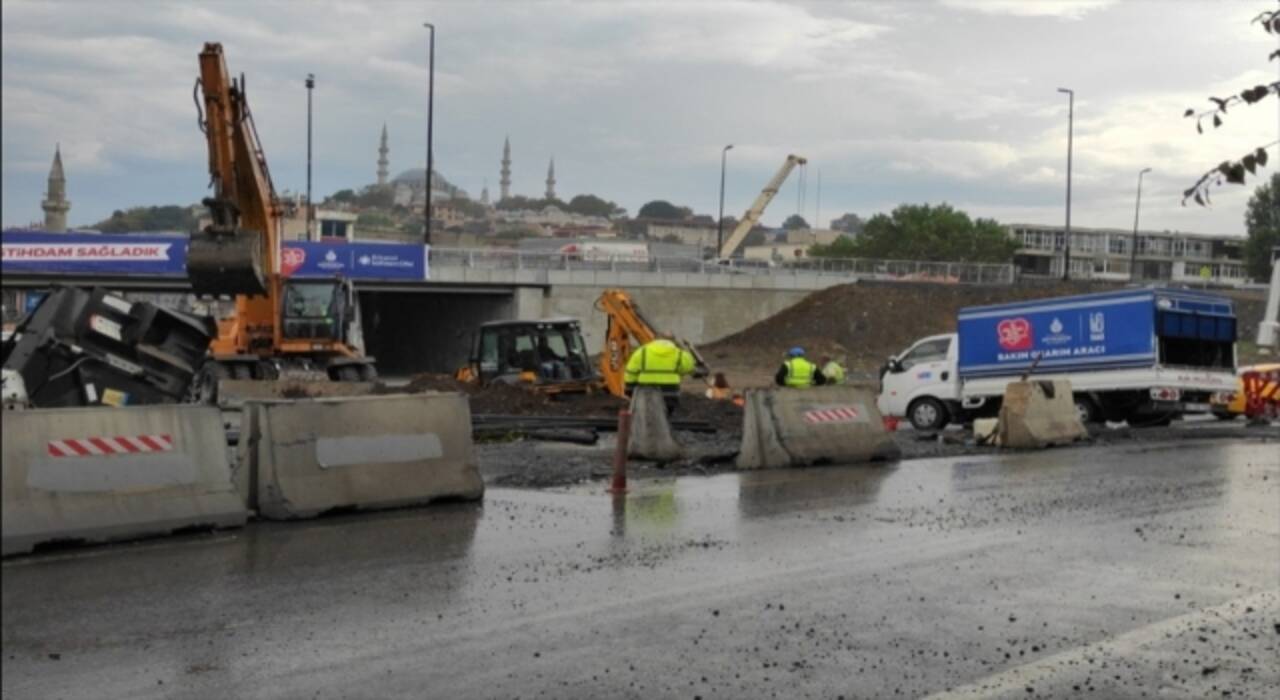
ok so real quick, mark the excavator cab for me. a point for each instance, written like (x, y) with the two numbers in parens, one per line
(315, 310)
(549, 354)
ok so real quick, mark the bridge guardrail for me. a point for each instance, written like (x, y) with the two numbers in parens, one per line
(892, 270)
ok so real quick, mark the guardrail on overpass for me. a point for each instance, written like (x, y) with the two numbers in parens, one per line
(532, 263)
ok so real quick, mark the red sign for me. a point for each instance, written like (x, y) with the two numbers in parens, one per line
(291, 259)
(1014, 334)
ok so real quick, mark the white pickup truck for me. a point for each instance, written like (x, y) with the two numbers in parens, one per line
(1141, 355)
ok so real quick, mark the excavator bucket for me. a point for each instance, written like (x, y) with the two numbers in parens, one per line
(223, 263)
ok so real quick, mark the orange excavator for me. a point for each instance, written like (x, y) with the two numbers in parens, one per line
(281, 327)
(550, 355)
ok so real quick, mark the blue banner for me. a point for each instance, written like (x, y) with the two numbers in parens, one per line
(37, 252)
(1065, 334)
(381, 261)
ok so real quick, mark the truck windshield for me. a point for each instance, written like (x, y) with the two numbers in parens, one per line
(928, 351)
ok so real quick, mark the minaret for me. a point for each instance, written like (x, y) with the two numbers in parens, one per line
(484, 194)
(382, 158)
(55, 203)
(551, 179)
(504, 184)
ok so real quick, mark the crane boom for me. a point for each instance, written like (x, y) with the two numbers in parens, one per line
(752, 217)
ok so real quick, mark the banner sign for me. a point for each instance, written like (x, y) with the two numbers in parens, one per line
(372, 261)
(1062, 334)
(36, 252)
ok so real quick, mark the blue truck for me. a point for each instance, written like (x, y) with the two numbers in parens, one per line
(1142, 355)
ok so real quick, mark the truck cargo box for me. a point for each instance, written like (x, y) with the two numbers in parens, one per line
(1111, 330)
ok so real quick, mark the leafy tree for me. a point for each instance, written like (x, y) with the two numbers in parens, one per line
(591, 205)
(1262, 220)
(842, 247)
(1230, 171)
(849, 223)
(376, 197)
(347, 196)
(754, 237)
(662, 209)
(925, 232)
(794, 222)
(164, 218)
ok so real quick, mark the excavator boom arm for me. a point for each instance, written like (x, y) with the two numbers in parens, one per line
(752, 217)
(236, 253)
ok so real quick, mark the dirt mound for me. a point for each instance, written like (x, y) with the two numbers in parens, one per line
(866, 322)
(509, 399)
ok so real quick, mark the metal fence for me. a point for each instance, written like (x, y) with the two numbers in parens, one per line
(892, 270)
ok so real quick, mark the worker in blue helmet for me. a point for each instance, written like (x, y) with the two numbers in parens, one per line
(797, 372)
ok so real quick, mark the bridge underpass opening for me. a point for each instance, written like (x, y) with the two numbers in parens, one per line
(415, 332)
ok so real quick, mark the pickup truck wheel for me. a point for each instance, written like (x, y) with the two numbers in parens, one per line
(1087, 410)
(927, 414)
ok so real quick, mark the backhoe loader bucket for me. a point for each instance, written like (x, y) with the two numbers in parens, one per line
(226, 264)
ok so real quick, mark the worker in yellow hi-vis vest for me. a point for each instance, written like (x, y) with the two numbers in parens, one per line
(661, 364)
(797, 372)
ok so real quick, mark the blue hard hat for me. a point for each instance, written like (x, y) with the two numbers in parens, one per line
(796, 352)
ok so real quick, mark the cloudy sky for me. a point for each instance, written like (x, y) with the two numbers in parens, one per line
(916, 101)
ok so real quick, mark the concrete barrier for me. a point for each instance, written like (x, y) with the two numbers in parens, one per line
(302, 458)
(650, 428)
(102, 474)
(822, 425)
(1038, 414)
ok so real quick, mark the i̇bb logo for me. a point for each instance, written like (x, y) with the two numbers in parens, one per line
(1014, 334)
(291, 259)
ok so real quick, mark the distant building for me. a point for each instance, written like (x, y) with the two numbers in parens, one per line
(813, 236)
(1099, 253)
(775, 252)
(55, 202)
(687, 232)
(551, 180)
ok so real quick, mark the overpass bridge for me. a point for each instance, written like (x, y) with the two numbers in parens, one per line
(425, 325)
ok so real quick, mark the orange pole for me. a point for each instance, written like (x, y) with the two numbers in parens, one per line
(619, 485)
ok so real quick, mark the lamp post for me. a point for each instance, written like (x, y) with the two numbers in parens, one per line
(311, 219)
(1137, 207)
(431, 100)
(720, 222)
(1066, 249)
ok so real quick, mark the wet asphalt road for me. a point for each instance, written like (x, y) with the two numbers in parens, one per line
(1129, 571)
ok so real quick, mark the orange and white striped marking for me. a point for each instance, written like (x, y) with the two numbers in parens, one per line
(832, 414)
(117, 445)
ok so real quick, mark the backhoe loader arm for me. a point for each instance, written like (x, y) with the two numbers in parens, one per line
(235, 254)
(628, 329)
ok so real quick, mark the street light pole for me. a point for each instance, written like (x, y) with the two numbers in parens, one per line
(431, 103)
(311, 220)
(1137, 207)
(720, 222)
(1066, 250)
